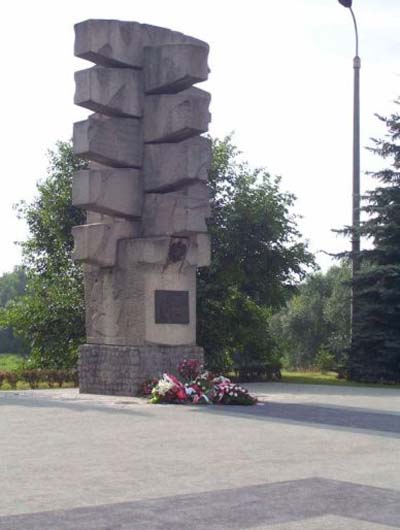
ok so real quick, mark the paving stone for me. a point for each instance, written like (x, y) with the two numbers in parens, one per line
(282, 505)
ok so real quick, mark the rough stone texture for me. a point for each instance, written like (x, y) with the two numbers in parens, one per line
(194, 250)
(115, 306)
(199, 252)
(116, 142)
(167, 167)
(120, 302)
(157, 36)
(118, 43)
(122, 370)
(117, 192)
(176, 117)
(97, 217)
(152, 250)
(145, 192)
(96, 244)
(178, 213)
(174, 67)
(111, 91)
(109, 42)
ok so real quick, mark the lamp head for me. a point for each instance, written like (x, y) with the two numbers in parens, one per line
(346, 3)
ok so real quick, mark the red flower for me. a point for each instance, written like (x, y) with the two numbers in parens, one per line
(197, 388)
(181, 394)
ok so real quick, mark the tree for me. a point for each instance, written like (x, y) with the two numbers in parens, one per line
(375, 347)
(51, 314)
(257, 259)
(12, 285)
(315, 324)
(337, 312)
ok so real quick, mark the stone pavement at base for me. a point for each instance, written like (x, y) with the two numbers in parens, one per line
(307, 458)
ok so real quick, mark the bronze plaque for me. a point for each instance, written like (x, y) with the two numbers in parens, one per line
(172, 307)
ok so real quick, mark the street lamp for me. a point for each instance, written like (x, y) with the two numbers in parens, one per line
(355, 240)
(356, 146)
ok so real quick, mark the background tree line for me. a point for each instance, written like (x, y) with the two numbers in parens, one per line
(12, 285)
(313, 329)
(260, 301)
(258, 258)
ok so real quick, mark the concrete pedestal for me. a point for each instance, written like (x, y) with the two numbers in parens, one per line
(122, 370)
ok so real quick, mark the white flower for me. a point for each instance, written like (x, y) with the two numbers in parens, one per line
(164, 385)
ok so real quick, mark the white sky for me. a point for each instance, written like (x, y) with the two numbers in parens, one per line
(281, 79)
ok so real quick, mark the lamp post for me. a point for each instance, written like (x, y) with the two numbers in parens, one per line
(355, 241)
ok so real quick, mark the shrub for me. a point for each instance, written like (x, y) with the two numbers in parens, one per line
(73, 375)
(325, 361)
(32, 377)
(59, 377)
(11, 378)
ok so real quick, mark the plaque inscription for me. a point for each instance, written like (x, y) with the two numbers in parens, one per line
(172, 307)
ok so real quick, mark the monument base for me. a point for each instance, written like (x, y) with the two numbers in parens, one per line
(122, 370)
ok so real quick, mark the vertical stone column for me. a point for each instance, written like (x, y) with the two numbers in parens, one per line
(146, 197)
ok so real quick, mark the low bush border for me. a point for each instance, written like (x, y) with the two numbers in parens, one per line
(35, 376)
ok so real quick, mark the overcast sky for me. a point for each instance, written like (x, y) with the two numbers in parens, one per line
(281, 79)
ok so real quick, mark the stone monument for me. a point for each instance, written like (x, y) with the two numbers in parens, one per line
(146, 196)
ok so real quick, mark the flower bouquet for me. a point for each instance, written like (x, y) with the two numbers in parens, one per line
(197, 386)
(227, 393)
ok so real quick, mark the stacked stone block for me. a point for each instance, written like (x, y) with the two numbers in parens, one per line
(146, 195)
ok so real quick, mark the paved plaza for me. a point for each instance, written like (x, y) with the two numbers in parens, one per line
(306, 457)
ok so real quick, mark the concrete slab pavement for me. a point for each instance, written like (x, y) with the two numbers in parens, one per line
(308, 456)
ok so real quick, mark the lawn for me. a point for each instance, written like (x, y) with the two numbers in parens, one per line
(22, 385)
(10, 362)
(319, 378)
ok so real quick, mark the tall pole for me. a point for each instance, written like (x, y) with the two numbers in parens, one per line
(355, 236)
(356, 159)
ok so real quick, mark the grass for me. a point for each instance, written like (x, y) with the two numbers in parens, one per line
(10, 362)
(22, 385)
(329, 378)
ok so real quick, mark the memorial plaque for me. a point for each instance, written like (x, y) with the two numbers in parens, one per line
(172, 307)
